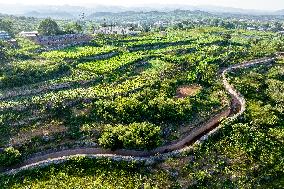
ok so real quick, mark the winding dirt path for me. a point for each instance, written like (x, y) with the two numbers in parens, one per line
(200, 133)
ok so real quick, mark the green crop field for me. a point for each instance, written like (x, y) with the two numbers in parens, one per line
(140, 93)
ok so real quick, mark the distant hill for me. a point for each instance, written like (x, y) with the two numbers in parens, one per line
(150, 15)
(280, 12)
(38, 11)
(69, 12)
(51, 14)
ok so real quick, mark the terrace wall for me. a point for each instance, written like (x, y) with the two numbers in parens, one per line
(61, 41)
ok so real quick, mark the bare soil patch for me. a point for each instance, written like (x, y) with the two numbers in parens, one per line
(46, 130)
(187, 90)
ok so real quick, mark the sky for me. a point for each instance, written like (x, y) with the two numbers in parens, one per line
(246, 4)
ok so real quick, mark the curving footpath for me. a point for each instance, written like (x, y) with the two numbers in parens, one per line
(198, 135)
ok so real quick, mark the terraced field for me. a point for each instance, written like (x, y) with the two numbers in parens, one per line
(119, 93)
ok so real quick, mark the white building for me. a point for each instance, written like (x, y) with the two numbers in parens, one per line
(161, 24)
(28, 34)
(251, 28)
(133, 33)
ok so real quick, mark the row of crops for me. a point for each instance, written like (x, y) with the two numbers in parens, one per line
(72, 97)
(247, 153)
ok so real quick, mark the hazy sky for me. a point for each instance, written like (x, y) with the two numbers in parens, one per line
(248, 4)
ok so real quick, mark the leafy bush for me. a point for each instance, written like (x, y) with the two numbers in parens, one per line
(134, 136)
(10, 156)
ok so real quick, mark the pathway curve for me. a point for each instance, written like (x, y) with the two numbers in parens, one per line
(201, 133)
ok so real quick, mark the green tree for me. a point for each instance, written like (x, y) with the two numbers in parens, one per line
(48, 27)
(146, 28)
(73, 27)
(3, 52)
(6, 25)
(10, 156)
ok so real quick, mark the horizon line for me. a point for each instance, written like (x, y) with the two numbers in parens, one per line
(146, 5)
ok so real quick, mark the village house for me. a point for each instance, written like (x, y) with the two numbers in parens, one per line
(251, 28)
(30, 34)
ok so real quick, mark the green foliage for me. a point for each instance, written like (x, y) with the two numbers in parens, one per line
(78, 52)
(10, 156)
(131, 84)
(25, 74)
(89, 173)
(247, 153)
(3, 53)
(48, 27)
(134, 136)
(6, 25)
(72, 28)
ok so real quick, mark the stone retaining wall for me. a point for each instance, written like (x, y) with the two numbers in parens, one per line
(62, 41)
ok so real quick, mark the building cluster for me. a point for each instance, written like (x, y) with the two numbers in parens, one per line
(115, 30)
(160, 24)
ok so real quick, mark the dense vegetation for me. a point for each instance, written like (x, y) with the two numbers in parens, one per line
(135, 135)
(3, 52)
(121, 92)
(245, 154)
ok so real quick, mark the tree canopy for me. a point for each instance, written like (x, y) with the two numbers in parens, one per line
(73, 27)
(48, 27)
(6, 25)
(3, 52)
